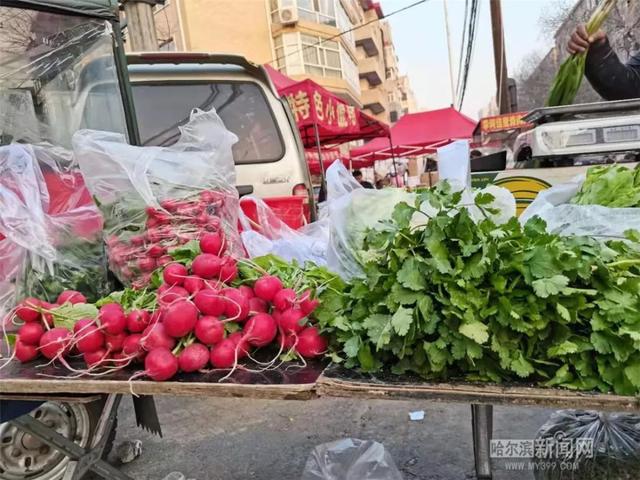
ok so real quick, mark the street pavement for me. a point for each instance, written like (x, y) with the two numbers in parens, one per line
(238, 439)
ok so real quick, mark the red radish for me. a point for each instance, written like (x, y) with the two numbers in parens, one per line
(308, 304)
(267, 287)
(137, 240)
(213, 284)
(240, 342)
(55, 342)
(72, 297)
(138, 320)
(164, 260)
(179, 318)
(95, 358)
(260, 330)
(290, 320)
(169, 205)
(202, 219)
(119, 359)
(112, 318)
(209, 330)
(27, 310)
(24, 352)
(81, 324)
(174, 274)
(287, 341)
(208, 197)
(277, 315)
(160, 364)
(46, 316)
(30, 333)
(155, 336)
(284, 299)
(132, 348)
(89, 339)
(228, 270)
(193, 358)
(147, 264)
(257, 305)
(206, 265)
(247, 291)
(114, 343)
(236, 304)
(311, 343)
(210, 302)
(172, 294)
(193, 284)
(223, 355)
(156, 251)
(212, 242)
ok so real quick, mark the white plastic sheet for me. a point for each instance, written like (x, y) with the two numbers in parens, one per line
(563, 218)
(309, 243)
(351, 459)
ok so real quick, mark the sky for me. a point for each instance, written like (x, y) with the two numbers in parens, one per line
(420, 40)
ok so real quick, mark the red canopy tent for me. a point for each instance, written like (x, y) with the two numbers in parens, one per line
(322, 117)
(418, 134)
(330, 155)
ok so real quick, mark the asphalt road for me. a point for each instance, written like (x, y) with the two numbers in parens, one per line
(238, 439)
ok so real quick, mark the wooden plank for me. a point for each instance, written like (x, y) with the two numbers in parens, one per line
(68, 398)
(335, 382)
(290, 382)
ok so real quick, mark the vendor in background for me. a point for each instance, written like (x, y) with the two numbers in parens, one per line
(357, 174)
(612, 79)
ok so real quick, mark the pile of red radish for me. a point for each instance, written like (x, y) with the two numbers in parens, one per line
(134, 257)
(200, 322)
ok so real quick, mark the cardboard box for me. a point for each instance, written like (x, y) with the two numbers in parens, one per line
(429, 179)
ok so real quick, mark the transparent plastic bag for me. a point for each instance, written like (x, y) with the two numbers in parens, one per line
(350, 459)
(50, 229)
(156, 198)
(588, 445)
(563, 218)
(272, 236)
(351, 210)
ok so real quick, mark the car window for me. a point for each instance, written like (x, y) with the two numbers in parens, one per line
(161, 109)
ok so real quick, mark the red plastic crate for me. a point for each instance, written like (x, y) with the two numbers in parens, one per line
(288, 209)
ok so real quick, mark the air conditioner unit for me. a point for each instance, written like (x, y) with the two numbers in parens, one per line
(288, 15)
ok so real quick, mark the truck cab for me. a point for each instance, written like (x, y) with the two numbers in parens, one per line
(268, 155)
(562, 142)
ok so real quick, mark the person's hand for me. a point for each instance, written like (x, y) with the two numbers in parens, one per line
(580, 40)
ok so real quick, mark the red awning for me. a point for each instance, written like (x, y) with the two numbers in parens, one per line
(330, 155)
(312, 105)
(419, 134)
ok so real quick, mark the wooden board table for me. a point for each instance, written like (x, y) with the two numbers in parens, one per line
(337, 381)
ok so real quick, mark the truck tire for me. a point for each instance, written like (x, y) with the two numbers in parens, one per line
(23, 457)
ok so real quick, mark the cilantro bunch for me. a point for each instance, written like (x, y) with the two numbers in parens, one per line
(454, 299)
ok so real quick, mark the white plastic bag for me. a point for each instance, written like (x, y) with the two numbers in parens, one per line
(50, 229)
(156, 198)
(563, 218)
(309, 243)
(350, 459)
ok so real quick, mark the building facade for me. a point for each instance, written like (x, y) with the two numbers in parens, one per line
(342, 45)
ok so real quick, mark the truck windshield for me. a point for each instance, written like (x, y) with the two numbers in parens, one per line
(50, 65)
(243, 107)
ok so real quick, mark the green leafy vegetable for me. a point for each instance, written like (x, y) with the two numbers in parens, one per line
(454, 298)
(614, 186)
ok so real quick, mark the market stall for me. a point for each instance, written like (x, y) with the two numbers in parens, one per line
(323, 118)
(417, 134)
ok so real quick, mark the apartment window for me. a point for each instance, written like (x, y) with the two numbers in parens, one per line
(300, 54)
(322, 59)
(318, 11)
(345, 25)
(393, 116)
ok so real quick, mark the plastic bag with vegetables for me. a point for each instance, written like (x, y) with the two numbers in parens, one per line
(589, 445)
(600, 206)
(156, 198)
(50, 229)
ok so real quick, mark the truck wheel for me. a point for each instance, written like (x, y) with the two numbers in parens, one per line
(24, 457)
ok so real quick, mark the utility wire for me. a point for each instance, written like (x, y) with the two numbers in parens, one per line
(462, 46)
(474, 16)
(323, 40)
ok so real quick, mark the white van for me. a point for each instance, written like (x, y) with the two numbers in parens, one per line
(269, 156)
